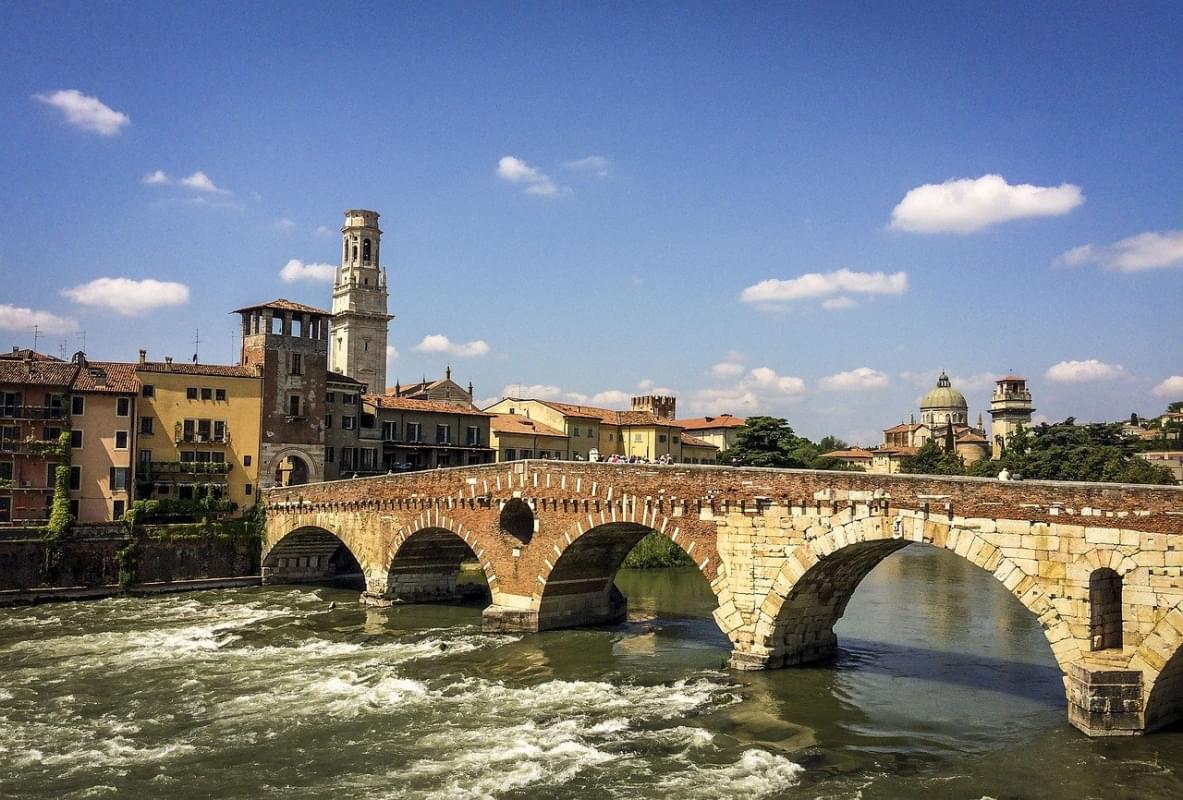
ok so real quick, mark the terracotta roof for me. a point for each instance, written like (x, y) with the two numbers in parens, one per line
(707, 423)
(895, 451)
(387, 402)
(570, 410)
(337, 377)
(517, 423)
(188, 368)
(969, 437)
(609, 417)
(850, 452)
(694, 441)
(904, 427)
(1005, 378)
(106, 376)
(284, 305)
(22, 353)
(38, 373)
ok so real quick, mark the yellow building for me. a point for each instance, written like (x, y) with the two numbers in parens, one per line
(720, 431)
(853, 457)
(515, 436)
(198, 428)
(102, 439)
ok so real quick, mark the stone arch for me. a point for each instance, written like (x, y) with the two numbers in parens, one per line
(277, 459)
(810, 594)
(577, 586)
(1160, 656)
(310, 554)
(425, 560)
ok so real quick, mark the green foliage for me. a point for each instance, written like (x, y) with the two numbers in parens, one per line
(770, 442)
(1175, 407)
(656, 551)
(59, 513)
(146, 511)
(931, 459)
(128, 559)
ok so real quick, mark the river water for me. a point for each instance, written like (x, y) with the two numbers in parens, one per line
(944, 687)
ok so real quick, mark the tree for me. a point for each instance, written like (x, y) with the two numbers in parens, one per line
(766, 442)
(931, 459)
(59, 513)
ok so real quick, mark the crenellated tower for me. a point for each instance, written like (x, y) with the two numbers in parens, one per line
(360, 320)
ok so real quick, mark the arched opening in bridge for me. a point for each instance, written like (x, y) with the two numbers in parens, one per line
(312, 555)
(291, 471)
(592, 582)
(1164, 702)
(517, 520)
(436, 565)
(1104, 609)
(915, 637)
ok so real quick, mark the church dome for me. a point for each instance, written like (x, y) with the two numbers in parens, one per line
(944, 397)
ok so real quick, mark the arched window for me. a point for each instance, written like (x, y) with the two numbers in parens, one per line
(345, 253)
(365, 251)
(1104, 609)
(355, 252)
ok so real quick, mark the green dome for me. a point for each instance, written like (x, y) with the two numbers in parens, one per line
(943, 396)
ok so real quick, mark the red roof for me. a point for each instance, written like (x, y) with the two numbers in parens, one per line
(37, 373)
(694, 441)
(850, 452)
(391, 403)
(517, 423)
(106, 376)
(283, 304)
(188, 368)
(609, 417)
(708, 423)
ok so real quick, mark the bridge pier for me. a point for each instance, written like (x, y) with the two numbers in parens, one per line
(571, 610)
(1104, 700)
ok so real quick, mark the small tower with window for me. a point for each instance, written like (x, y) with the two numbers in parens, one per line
(1010, 409)
(360, 321)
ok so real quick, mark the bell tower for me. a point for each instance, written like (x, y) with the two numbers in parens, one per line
(358, 344)
(1010, 409)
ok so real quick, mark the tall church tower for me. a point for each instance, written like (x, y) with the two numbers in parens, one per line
(1010, 409)
(358, 347)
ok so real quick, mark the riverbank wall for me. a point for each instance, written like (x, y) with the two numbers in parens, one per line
(102, 560)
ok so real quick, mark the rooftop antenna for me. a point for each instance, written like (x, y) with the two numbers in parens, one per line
(82, 333)
(196, 344)
(36, 336)
(62, 349)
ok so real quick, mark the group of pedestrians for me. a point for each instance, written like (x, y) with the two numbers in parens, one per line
(615, 459)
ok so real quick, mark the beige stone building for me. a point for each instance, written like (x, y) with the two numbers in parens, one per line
(516, 436)
(1010, 410)
(360, 322)
(425, 434)
(349, 430)
(720, 431)
(103, 439)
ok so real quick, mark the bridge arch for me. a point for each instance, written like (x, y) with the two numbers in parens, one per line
(310, 554)
(795, 624)
(426, 559)
(578, 585)
(1162, 686)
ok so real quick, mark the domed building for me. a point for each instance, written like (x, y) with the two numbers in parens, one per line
(944, 418)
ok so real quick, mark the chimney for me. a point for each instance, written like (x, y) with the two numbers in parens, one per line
(143, 355)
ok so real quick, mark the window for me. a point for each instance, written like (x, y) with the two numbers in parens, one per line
(10, 433)
(328, 421)
(51, 475)
(676, 440)
(51, 434)
(191, 393)
(146, 424)
(591, 433)
(444, 460)
(511, 454)
(348, 423)
(75, 478)
(207, 394)
(1104, 609)
(220, 395)
(331, 397)
(5, 470)
(188, 455)
(389, 431)
(148, 390)
(297, 364)
(77, 405)
(330, 452)
(638, 438)
(661, 437)
(123, 407)
(73, 508)
(294, 406)
(443, 434)
(527, 453)
(473, 436)
(367, 420)
(185, 491)
(204, 430)
(220, 430)
(365, 251)
(349, 399)
(76, 439)
(414, 432)
(347, 461)
(145, 456)
(367, 458)
(120, 440)
(249, 489)
(118, 479)
(246, 461)
(189, 430)
(117, 509)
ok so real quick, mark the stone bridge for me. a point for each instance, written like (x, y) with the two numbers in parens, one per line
(1099, 565)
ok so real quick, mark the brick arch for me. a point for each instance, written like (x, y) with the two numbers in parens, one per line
(577, 578)
(434, 535)
(810, 593)
(1160, 657)
(307, 553)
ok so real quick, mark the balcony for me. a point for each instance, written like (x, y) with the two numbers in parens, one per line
(202, 438)
(154, 469)
(32, 412)
(30, 447)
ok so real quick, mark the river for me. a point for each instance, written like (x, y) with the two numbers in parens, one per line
(944, 688)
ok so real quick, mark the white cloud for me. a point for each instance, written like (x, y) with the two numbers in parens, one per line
(927, 379)
(514, 170)
(856, 380)
(156, 178)
(611, 397)
(597, 165)
(536, 391)
(16, 318)
(758, 389)
(323, 230)
(297, 270)
(283, 224)
(438, 343)
(649, 386)
(1083, 371)
(967, 205)
(86, 112)
(391, 353)
(128, 297)
(1145, 251)
(771, 293)
(1171, 388)
(201, 182)
(732, 366)
(839, 303)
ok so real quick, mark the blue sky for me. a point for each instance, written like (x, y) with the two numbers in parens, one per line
(803, 209)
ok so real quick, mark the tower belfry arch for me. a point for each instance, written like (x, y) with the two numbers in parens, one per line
(360, 320)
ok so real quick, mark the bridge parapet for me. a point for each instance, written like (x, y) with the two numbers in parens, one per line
(1099, 565)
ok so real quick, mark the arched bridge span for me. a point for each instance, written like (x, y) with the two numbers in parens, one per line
(1099, 565)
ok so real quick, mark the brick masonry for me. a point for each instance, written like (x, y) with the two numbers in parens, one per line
(783, 550)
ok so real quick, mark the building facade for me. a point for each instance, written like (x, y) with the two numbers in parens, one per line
(426, 434)
(721, 431)
(34, 410)
(102, 439)
(360, 319)
(1010, 410)
(515, 436)
(346, 422)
